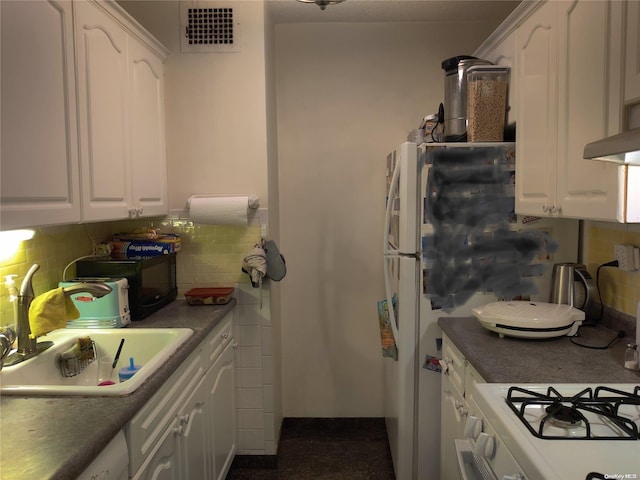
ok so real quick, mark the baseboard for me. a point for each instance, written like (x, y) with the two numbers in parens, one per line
(255, 461)
(334, 423)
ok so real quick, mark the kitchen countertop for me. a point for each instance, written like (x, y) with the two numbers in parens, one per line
(547, 361)
(56, 438)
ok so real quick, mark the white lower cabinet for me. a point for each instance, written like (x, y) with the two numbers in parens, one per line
(222, 412)
(187, 429)
(456, 405)
(164, 464)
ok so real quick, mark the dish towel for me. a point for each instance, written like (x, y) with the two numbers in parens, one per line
(50, 311)
(255, 264)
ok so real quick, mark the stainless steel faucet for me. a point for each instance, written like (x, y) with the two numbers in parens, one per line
(29, 347)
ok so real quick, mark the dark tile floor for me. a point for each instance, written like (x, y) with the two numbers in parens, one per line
(325, 449)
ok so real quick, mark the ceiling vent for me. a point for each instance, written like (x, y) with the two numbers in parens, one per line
(208, 27)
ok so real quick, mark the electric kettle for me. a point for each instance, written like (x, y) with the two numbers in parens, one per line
(571, 284)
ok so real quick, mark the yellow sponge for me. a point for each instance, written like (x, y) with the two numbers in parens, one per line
(50, 311)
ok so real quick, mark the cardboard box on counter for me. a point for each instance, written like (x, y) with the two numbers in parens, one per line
(136, 248)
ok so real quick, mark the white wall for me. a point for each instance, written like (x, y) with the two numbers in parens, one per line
(215, 106)
(347, 95)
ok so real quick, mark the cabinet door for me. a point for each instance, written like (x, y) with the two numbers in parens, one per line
(222, 411)
(586, 189)
(536, 145)
(147, 426)
(39, 148)
(148, 158)
(632, 64)
(102, 96)
(164, 463)
(195, 436)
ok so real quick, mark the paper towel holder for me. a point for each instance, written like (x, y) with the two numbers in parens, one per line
(253, 200)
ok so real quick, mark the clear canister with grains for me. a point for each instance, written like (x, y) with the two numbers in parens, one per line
(487, 89)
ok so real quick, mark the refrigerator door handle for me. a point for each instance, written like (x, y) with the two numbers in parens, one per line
(392, 313)
(393, 188)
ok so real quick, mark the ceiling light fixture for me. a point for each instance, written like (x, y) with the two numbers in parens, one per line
(322, 3)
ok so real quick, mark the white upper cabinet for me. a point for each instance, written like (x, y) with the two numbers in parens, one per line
(587, 109)
(103, 112)
(536, 132)
(632, 63)
(120, 84)
(102, 158)
(39, 156)
(147, 149)
(567, 70)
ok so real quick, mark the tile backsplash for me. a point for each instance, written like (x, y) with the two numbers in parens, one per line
(211, 254)
(620, 290)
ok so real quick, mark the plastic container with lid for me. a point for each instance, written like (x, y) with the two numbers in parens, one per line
(209, 296)
(126, 373)
(631, 357)
(487, 90)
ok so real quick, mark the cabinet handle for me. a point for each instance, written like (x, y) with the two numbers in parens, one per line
(184, 419)
(235, 345)
(556, 210)
(446, 363)
(463, 412)
(132, 213)
(177, 431)
(225, 335)
(140, 211)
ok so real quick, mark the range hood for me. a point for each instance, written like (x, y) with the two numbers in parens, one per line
(623, 148)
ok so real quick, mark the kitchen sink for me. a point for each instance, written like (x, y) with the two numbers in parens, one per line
(41, 375)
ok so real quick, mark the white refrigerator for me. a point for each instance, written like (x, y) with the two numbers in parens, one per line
(412, 382)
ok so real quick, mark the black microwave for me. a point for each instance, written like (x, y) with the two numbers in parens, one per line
(152, 281)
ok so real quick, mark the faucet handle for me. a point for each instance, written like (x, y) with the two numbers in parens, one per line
(9, 333)
(5, 347)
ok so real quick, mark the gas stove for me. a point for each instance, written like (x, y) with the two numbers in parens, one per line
(565, 431)
(600, 413)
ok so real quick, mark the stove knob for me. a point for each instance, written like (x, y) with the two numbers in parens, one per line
(485, 445)
(473, 428)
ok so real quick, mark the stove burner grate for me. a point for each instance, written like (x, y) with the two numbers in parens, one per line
(569, 413)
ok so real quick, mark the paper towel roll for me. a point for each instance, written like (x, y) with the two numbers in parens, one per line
(232, 210)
